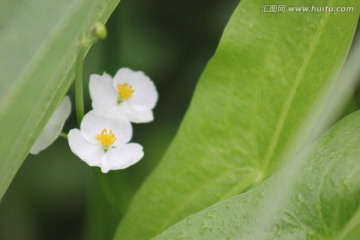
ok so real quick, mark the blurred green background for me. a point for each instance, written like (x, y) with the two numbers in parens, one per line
(57, 196)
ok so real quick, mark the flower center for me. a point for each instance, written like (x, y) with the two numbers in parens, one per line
(125, 91)
(106, 138)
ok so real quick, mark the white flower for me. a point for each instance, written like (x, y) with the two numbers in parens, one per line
(129, 94)
(53, 128)
(103, 142)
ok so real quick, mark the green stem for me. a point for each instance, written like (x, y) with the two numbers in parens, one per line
(109, 194)
(63, 135)
(79, 95)
(98, 32)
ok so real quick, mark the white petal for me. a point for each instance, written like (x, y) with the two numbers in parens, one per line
(145, 93)
(123, 75)
(121, 157)
(53, 128)
(104, 96)
(135, 113)
(93, 123)
(88, 152)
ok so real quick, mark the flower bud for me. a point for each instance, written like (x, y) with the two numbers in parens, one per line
(99, 30)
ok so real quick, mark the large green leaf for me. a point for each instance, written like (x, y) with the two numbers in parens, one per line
(317, 196)
(294, 192)
(38, 47)
(249, 106)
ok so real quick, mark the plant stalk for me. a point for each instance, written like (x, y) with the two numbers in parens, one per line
(79, 92)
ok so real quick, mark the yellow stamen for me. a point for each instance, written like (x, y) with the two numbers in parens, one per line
(106, 138)
(125, 91)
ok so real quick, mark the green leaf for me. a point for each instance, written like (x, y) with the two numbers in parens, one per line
(295, 185)
(247, 112)
(314, 197)
(38, 47)
(354, 231)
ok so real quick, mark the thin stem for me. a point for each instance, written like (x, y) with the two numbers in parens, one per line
(109, 194)
(79, 95)
(98, 32)
(63, 135)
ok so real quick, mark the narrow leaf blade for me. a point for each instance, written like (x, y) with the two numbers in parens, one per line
(38, 47)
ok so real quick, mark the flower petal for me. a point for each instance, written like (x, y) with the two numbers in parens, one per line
(88, 152)
(93, 123)
(145, 93)
(121, 157)
(103, 95)
(53, 128)
(135, 113)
